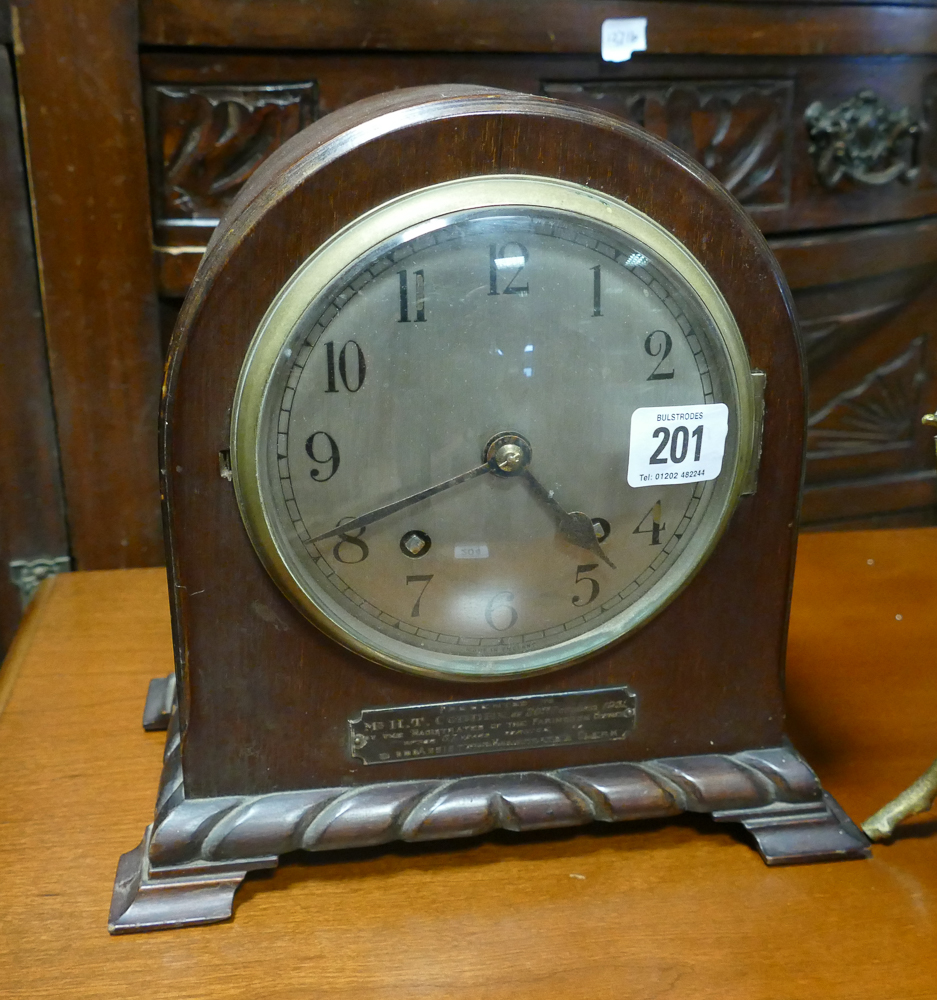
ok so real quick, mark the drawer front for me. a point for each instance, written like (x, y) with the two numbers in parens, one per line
(212, 120)
(858, 161)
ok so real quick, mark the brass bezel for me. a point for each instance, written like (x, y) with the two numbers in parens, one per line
(401, 215)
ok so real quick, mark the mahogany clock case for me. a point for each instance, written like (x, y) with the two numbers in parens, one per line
(264, 696)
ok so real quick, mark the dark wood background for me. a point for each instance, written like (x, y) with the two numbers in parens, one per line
(139, 122)
(32, 515)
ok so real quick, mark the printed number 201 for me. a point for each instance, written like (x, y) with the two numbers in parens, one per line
(679, 442)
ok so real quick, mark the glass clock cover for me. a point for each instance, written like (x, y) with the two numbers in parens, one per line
(491, 427)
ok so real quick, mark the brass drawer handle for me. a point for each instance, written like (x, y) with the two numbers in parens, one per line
(863, 139)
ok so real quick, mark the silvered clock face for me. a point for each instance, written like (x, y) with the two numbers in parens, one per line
(433, 432)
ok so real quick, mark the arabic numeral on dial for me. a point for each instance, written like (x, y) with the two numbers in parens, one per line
(659, 344)
(351, 364)
(651, 524)
(419, 297)
(594, 592)
(512, 257)
(322, 449)
(597, 290)
(424, 579)
(499, 608)
(359, 547)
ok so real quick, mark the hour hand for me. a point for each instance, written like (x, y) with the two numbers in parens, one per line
(575, 527)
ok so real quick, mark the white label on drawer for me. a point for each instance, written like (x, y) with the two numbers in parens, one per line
(471, 551)
(621, 36)
(677, 444)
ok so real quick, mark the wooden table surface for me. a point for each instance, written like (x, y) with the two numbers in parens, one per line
(682, 908)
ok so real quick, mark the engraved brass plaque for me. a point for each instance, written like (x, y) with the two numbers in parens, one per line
(492, 725)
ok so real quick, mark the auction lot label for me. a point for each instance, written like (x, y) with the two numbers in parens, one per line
(677, 444)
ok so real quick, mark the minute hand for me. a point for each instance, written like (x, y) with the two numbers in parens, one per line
(392, 508)
(576, 527)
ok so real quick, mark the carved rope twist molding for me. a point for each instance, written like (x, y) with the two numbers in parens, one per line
(228, 829)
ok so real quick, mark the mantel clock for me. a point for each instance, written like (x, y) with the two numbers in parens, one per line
(482, 441)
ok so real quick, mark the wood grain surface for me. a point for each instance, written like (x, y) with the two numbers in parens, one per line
(82, 119)
(540, 26)
(32, 510)
(678, 909)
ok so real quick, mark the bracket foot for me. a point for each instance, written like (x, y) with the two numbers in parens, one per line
(140, 903)
(798, 833)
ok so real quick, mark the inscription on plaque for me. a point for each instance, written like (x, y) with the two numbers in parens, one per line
(491, 725)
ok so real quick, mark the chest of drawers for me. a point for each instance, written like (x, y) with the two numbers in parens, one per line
(141, 122)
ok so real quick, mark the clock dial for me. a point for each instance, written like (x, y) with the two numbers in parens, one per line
(442, 449)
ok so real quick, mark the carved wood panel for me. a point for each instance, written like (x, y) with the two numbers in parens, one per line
(740, 130)
(882, 412)
(833, 317)
(207, 140)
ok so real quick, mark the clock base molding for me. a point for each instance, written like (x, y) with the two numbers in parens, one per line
(197, 852)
